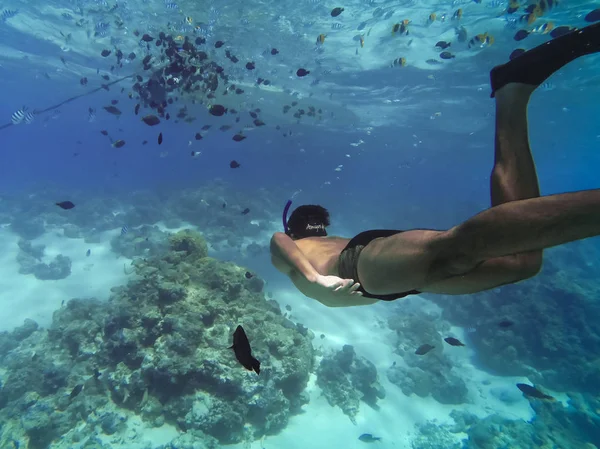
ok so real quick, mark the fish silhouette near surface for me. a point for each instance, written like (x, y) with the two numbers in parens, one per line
(243, 352)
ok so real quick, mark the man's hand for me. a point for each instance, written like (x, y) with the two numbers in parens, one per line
(338, 287)
(333, 291)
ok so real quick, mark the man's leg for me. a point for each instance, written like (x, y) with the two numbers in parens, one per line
(423, 259)
(513, 178)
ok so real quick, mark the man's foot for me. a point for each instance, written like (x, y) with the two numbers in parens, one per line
(536, 65)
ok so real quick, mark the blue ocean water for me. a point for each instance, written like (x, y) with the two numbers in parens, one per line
(118, 313)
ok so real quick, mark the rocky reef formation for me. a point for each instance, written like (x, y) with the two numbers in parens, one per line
(30, 257)
(555, 338)
(554, 426)
(346, 379)
(429, 374)
(158, 348)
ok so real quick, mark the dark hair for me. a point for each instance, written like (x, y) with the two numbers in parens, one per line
(308, 220)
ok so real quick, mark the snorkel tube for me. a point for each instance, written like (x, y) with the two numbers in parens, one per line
(285, 213)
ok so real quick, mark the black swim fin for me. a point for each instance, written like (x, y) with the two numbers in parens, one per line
(536, 65)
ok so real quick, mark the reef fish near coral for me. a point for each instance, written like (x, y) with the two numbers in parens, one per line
(368, 438)
(531, 392)
(243, 352)
(424, 349)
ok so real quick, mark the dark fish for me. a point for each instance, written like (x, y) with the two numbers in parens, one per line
(250, 66)
(76, 390)
(137, 109)
(424, 349)
(368, 438)
(443, 44)
(131, 56)
(88, 252)
(453, 341)
(198, 136)
(147, 38)
(105, 53)
(151, 120)
(112, 110)
(258, 122)
(114, 102)
(217, 110)
(302, 72)
(224, 205)
(160, 138)
(243, 352)
(593, 16)
(247, 274)
(336, 11)
(104, 132)
(65, 205)
(238, 137)
(520, 35)
(118, 143)
(505, 323)
(446, 55)
(560, 31)
(515, 53)
(246, 211)
(144, 142)
(274, 51)
(234, 164)
(532, 392)
(219, 44)
(224, 127)
(205, 127)
(83, 81)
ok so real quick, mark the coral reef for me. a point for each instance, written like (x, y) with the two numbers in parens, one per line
(429, 374)
(30, 257)
(553, 334)
(346, 379)
(145, 241)
(554, 426)
(157, 348)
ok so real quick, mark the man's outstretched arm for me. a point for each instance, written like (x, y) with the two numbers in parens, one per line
(287, 257)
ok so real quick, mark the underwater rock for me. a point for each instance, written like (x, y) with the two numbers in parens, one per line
(37, 251)
(191, 243)
(25, 330)
(59, 268)
(428, 374)
(346, 379)
(555, 325)
(145, 241)
(27, 227)
(158, 348)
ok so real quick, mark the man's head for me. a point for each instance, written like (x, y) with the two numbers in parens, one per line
(308, 220)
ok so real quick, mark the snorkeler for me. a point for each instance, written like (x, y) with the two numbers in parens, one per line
(499, 246)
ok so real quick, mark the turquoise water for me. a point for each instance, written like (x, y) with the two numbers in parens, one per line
(117, 315)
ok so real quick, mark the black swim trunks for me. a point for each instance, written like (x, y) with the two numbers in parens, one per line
(348, 261)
